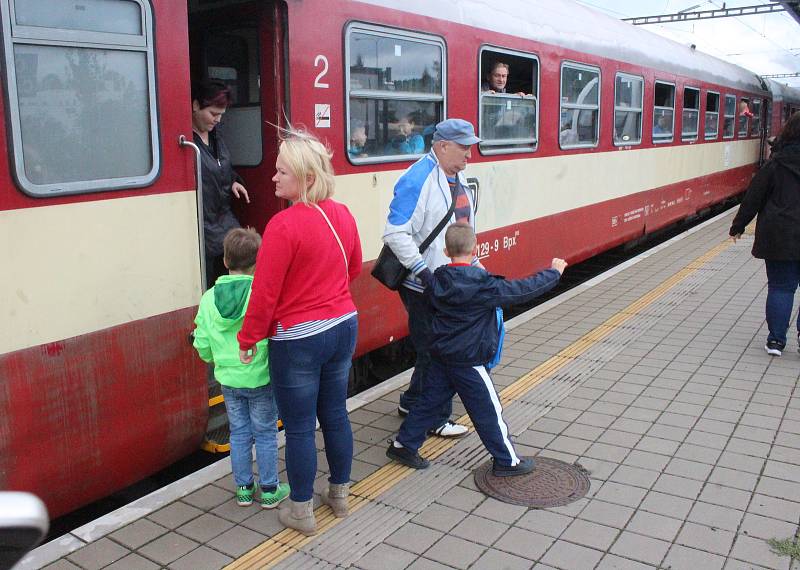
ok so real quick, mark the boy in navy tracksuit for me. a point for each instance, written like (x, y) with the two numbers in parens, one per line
(467, 340)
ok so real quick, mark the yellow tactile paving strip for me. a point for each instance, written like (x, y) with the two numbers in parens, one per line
(289, 541)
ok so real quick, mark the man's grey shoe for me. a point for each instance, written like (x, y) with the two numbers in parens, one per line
(525, 465)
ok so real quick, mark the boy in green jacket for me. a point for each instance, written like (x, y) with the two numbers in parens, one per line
(249, 401)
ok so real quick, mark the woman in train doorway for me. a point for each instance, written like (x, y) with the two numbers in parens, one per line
(774, 194)
(210, 99)
(301, 300)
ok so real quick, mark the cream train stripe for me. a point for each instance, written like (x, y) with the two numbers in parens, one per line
(289, 541)
(80, 268)
(525, 189)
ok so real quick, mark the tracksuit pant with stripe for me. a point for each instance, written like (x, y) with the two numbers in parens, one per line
(475, 387)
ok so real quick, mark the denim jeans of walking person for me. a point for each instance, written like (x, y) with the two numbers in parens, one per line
(310, 377)
(253, 417)
(783, 278)
(419, 330)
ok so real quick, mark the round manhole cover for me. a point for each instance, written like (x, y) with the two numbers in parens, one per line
(552, 483)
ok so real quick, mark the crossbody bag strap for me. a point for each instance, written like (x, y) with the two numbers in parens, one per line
(437, 230)
(341, 247)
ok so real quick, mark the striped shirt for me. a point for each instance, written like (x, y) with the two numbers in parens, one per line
(309, 328)
(462, 209)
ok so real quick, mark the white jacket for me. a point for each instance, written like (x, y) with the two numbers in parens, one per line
(421, 199)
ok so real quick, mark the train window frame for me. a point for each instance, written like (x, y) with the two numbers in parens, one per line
(489, 146)
(374, 94)
(706, 136)
(755, 121)
(690, 136)
(742, 126)
(663, 140)
(623, 109)
(726, 115)
(567, 64)
(15, 34)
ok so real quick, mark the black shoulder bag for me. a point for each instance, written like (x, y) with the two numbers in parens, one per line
(388, 269)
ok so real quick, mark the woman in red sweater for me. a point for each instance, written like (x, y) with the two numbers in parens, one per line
(301, 301)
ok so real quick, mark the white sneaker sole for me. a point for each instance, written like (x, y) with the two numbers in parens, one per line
(774, 351)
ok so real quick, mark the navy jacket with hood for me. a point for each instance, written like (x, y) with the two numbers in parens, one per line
(464, 300)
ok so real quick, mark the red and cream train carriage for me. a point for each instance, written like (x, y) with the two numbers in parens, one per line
(101, 278)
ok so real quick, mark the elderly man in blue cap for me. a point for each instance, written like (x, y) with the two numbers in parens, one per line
(422, 197)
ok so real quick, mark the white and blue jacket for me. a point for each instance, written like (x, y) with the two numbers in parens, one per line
(421, 198)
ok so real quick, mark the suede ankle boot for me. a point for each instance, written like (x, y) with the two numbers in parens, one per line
(336, 498)
(299, 516)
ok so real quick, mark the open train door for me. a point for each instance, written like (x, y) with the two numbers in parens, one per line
(242, 44)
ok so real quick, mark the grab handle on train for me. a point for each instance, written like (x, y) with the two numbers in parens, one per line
(475, 186)
(23, 524)
(184, 142)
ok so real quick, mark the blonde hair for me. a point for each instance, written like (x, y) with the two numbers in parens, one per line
(459, 239)
(308, 159)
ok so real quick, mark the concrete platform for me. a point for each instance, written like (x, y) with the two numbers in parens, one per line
(653, 377)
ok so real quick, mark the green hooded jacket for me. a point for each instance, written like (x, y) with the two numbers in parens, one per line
(219, 319)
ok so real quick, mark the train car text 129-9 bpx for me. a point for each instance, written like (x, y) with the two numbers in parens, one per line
(605, 132)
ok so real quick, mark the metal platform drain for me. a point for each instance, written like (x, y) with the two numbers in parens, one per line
(552, 483)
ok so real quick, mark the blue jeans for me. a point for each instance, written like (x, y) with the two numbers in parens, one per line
(420, 317)
(783, 278)
(477, 392)
(310, 377)
(253, 417)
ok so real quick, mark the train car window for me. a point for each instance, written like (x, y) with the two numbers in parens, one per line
(396, 92)
(744, 116)
(81, 94)
(508, 101)
(579, 119)
(755, 124)
(690, 123)
(729, 122)
(663, 112)
(232, 56)
(712, 115)
(628, 102)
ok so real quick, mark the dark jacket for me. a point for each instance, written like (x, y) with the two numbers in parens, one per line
(218, 177)
(463, 298)
(774, 194)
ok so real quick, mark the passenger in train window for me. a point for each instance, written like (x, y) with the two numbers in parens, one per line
(774, 195)
(423, 196)
(467, 342)
(497, 79)
(301, 301)
(406, 140)
(744, 109)
(663, 125)
(210, 99)
(358, 140)
(249, 399)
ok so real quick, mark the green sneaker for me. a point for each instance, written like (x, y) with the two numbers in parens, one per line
(272, 500)
(244, 495)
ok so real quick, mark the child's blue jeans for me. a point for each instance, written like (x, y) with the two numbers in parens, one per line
(253, 418)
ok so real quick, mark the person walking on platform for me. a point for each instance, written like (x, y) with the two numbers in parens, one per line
(422, 197)
(249, 401)
(301, 300)
(467, 335)
(774, 194)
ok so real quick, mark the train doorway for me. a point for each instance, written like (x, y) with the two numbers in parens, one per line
(241, 43)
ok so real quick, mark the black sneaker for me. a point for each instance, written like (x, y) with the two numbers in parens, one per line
(525, 465)
(773, 348)
(404, 456)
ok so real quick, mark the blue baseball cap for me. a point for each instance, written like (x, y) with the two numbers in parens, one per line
(456, 130)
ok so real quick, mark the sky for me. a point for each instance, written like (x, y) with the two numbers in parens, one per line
(765, 44)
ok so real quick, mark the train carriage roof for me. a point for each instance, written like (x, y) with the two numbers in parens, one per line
(577, 27)
(781, 92)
